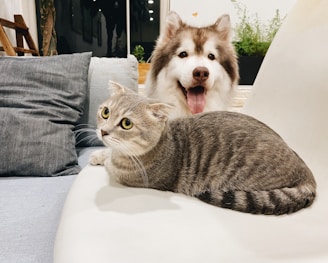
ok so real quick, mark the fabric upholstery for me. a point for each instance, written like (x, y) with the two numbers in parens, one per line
(41, 101)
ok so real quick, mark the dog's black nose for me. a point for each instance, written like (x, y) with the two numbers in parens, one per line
(200, 73)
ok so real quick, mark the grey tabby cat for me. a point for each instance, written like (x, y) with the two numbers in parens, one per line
(223, 158)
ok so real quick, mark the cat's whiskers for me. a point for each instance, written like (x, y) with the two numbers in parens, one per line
(87, 132)
(135, 161)
(109, 141)
(122, 147)
(90, 138)
(84, 127)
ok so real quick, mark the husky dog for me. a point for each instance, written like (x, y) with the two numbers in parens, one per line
(193, 68)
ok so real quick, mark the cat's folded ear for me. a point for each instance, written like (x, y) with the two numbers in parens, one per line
(160, 110)
(116, 88)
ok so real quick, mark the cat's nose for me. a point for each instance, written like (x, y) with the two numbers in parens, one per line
(104, 133)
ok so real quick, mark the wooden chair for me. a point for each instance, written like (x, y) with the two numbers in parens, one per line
(22, 32)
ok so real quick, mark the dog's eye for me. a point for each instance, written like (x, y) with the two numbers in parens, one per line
(126, 124)
(183, 54)
(211, 56)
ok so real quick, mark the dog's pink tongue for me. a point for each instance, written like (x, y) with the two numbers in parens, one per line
(196, 99)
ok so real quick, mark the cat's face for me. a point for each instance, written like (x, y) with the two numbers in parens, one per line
(130, 123)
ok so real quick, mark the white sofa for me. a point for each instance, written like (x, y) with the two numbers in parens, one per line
(103, 221)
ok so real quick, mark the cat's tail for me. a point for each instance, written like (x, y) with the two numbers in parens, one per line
(271, 202)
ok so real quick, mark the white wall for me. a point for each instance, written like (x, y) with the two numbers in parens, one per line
(204, 12)
(266, 8)
(23, 7)
(200, 12)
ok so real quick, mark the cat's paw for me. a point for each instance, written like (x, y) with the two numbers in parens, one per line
(98, 157)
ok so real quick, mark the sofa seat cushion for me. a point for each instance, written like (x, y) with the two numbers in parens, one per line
(30, 212)
(103, 221)
(41, 101)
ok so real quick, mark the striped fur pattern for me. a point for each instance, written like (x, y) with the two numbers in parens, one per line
(223, 158)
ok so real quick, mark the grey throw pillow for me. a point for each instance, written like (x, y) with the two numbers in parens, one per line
(41, 100)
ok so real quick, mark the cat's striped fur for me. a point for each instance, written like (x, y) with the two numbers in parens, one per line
(226, 159)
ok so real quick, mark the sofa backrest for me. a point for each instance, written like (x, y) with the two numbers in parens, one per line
(290, 92)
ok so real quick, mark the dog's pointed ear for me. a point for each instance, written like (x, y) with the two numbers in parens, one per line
(172, 23)
(223, 26)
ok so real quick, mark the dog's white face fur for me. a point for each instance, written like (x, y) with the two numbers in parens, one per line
(195, 69)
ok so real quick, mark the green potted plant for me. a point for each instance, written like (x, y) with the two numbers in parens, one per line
(143, 66)
(139, 53)
(252, 40)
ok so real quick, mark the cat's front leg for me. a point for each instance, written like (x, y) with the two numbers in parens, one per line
(100, 156)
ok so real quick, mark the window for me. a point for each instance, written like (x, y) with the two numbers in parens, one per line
(101, 26)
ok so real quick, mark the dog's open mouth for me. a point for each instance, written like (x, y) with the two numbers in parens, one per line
(196, 98)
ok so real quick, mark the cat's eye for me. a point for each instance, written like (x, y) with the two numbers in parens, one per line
(183, 54)
(126, 124)
(105, 113)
